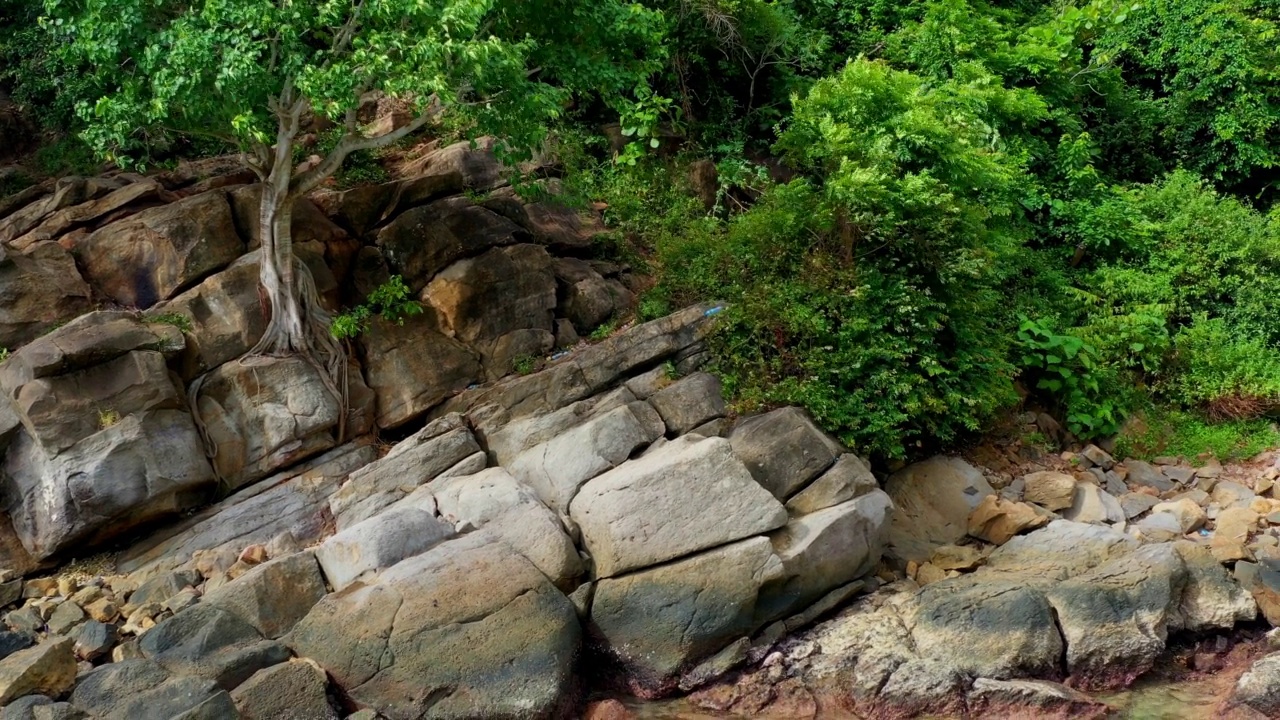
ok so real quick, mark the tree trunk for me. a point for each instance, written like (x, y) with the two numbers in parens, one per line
(286, 328)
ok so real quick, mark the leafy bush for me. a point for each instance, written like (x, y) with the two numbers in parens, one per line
(392, 300)
(1229, 376)
(1157, 430)
(1068, 369)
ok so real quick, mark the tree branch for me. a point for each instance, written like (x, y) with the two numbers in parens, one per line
(354, 143)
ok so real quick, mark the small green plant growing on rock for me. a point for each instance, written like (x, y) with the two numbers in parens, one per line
(525, 365)
(392, 300)
(178, 320)
(107, 418)
(4, 354)
(1067, 368)
(604, 331)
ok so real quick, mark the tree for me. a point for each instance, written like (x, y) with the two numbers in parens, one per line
(249, 72)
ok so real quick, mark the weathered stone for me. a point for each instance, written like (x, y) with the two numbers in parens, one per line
(481, 300)
(209, 642)
(1211, 600)
(66, 193)
(956, 557)
(558, 468)
(469, 629)
(293, 690)
(219, 706)
(69, 218)
(1263, 584)
(1050, 490)
(783, 450)
(38, 289)
(226, 317)
(1180, 475)
(689, 402)
(989, 627)
(582, 295)
(1098, 457)
(850, 477)
(507, 440)
(449, 171)
(423, 241)
(1229, 494)
(295, 501)
(48, 668)
(661, 621)
(139, 688)
(1012, 698)
(561, 228)
(146, 466)
(1134, 504)
(94, 640)
(12, 642)
(1141, 473)
(1115, 617)
(1231, 532)
(826, 549)
(264, 415)
(997, 520)
(1190, 515)
(920, 685)
(413, 367)
(64, 617)
(501, 506)
(1059, 550)
(1092, 504)
(1159, 527)
(933, 501)
(1259, 687)
(687, 496)
(157, 253)
(716, 666)
(379, 542)
(273, 596)
(413, 462)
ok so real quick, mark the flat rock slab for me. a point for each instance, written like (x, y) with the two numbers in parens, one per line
(688, 495)
(48, 668)
(850, 477)
(140, 688)
(294, 690)
(209, 642)
(273, 596)
(470, 629)
(661, 621)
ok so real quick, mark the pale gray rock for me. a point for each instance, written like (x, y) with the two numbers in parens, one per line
(783, 450)
(689, 402)
(273, 596)
(850, 477)
(690, 495)
(933, 501)
(378, 543)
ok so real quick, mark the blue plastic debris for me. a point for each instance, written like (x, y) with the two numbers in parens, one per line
(560, 354)
(1204, 533)
(473, 386)
(713, 311)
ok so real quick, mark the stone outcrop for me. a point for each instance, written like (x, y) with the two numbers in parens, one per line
(39, 289)
(934, 500)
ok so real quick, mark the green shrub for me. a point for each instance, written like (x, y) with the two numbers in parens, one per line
(1068, 369)
(392, 300)
(178, 320)
(1221, 373)
(1164, 431)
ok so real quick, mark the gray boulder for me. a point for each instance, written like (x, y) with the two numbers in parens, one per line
(48, 668)
(933, 501)
(208, 642)
(583, 295)
(508, 510)
(1146, 475)
(1050, 490)
(422, 241)
(558, 468)
(783, 450)
(689, 402)
(688, 495)
(379, 542)
(139, 688)
(469, 629)
(826, 549)
(664, 620)
(413, 462)
(294, 690)
(507, 440)
(1259, 687)
(850, 477)
(226, 316)
(266, 414)
(273, 596)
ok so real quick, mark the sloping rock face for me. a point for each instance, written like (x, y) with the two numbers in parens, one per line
(39, 288)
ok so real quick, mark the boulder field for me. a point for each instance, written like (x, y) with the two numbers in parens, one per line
(500, 520)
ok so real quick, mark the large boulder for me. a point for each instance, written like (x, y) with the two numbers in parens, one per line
(1259, 688)
(105, 442)
(661, 621)
(425, 240)
(557, 468)
(501, 303)
(934, 500)
(412, 367)
(273, 596)
(209, 642)
(1116, 617)
(38, 289)
(850, 477)
(265, 414)
(583, 295)
(289, 691)
(508, 440)
(688, 495)
(826, 549)
(141, 688)
(784, 450)
(48, 668)
(226, 315)
(157, 253)
(689, 402)
(505, 508)
(378, 543)
(469, 629)
(414, 461)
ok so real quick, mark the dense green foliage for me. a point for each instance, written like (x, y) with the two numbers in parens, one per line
(922, 207)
